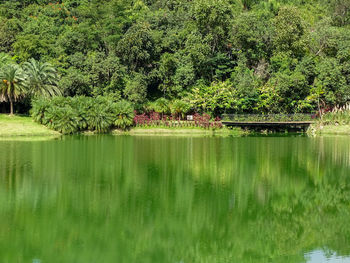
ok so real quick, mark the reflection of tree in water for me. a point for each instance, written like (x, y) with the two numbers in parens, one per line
(147, 199)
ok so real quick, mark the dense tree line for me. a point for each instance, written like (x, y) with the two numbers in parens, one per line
(216, 56)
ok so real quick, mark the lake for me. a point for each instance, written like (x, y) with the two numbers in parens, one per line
(175, 199)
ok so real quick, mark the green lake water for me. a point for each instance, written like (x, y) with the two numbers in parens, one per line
(175, 199)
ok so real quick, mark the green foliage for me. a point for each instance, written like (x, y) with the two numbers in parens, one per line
(70, 115)
(213, 20)
(337, 117)
(332, 82)
(179, 108)
(239, 94)
(5, 60)
(245, 84)
(42, 79)
(270, 56)
(289, 30)
(63, 120)
(136, 89)
(12, 85)
(252, 35)
(33, 79)
(162, 105)
(137, 46)
(124, 114)
(39, 108)
(212, 99)
(100, 118)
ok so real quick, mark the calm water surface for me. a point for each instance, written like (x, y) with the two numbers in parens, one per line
(173, 199)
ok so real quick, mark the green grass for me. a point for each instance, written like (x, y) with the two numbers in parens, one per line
(12, 126)
(190, 131)
(330, 129)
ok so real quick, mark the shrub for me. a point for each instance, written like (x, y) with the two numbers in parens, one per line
(100, 117)
(62, 119)
(141, 120)
(179, 108)
(69, 115)
(82, 106)
(39, 108)
(154, 120)
(338, 115)
(124, 114)
(161, 105)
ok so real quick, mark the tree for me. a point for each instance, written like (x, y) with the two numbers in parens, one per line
(137, 47)
(161, 105)
(42, 78)
(245, 85)
(251, 34)
(341, 11)
(8, 30)
(136, 89)
(289, 31)
(213, 20)
(13, 84)
(215, 98)
(332, 83)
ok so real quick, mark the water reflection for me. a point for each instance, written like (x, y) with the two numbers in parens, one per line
(164, 199)
(319, 256)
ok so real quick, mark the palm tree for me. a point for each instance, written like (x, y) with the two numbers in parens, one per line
(162, 106)
(179, 108)
(42, 78)
(12, 85)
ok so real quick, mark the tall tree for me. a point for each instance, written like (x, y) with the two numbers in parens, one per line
(42, 78)
(13, 84)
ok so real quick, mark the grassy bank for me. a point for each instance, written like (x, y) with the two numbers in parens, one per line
(24, 126)
(12, 126)
(329, 129)
(336, 122)
(182, 132)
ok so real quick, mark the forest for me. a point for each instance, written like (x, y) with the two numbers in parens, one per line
(214, 57)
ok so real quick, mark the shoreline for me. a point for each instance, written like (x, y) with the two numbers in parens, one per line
(163, 131)
(320, 129)
(24, 127)
(19, 127)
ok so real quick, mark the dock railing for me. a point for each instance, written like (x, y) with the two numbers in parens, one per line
(297, 117)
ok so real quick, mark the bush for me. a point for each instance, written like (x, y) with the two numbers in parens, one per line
(70, 115)
(179, 108)
(63, 119)
(124, 114)
(338, 116)
(162, 106)
(100, 116)
(82, 106)
(155, 120)
(39, 107)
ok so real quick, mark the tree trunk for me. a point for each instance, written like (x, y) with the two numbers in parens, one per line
(11, 106)
(319, 108)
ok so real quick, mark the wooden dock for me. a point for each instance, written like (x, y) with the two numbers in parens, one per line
(268, 123)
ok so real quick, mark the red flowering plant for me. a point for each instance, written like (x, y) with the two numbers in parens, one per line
(154, 119)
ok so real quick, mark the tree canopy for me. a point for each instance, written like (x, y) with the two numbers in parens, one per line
(248, 56)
